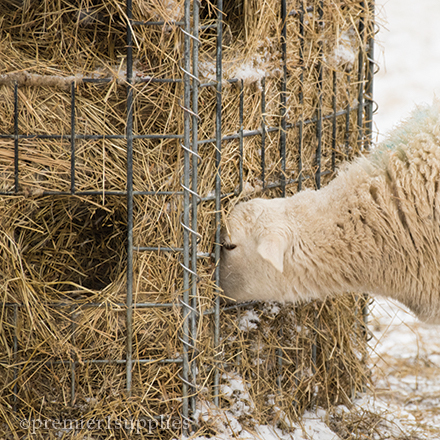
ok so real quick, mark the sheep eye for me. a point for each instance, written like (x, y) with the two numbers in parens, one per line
(229, 246)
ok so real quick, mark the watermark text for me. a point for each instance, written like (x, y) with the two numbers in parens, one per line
(137, 426)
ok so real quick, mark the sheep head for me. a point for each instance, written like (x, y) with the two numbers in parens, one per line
(291, 249)
(254, 245)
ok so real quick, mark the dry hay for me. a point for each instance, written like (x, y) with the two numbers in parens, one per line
(60, 254)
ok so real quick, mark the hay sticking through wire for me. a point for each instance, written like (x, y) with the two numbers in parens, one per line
(63, 258)
(268, 351)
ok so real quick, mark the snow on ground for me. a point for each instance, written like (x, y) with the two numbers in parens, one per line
(408, 53)
(405, 361)
(228, 427)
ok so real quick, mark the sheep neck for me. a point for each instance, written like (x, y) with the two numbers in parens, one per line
(363, 233)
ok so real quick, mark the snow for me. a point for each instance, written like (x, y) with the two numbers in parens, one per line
(271, 308)
(227, 425)
(313, 428)
(249, 321)
(345, 52)
(207, 70)
(408, 53)
(250, 68)
(249, 73)
(406, 358)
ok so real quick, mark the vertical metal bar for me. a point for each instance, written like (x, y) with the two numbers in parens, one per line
(283, 97)
(72, 138)
(365, 314)
(369, 108)
(314, 353)
(240, 133)
(15, 358)
(300, 138)
(319, 111)
(314, 347)
(186, 208)
(72, 363)
(129, 134)
(16, 182)
(334, 122)
(347, 119)
(301, 93)
(239, 357)
(318, 166)
(369, 130)
(297, 360)
(263, 131)
(194, 197)
(370, 78)
(356, 332)
(360, 110)
(218, 186)
(279, 355)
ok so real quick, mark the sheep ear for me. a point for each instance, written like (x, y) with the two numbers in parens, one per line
(272, 249)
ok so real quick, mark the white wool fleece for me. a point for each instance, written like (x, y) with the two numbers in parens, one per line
(375, 229)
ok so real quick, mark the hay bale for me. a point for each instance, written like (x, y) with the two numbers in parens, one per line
(63, 257)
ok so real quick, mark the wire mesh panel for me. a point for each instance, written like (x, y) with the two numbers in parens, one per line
(128, 130)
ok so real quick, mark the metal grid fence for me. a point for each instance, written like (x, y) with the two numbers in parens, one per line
(190, 143)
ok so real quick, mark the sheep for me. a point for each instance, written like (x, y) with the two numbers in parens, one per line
(374, 229)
